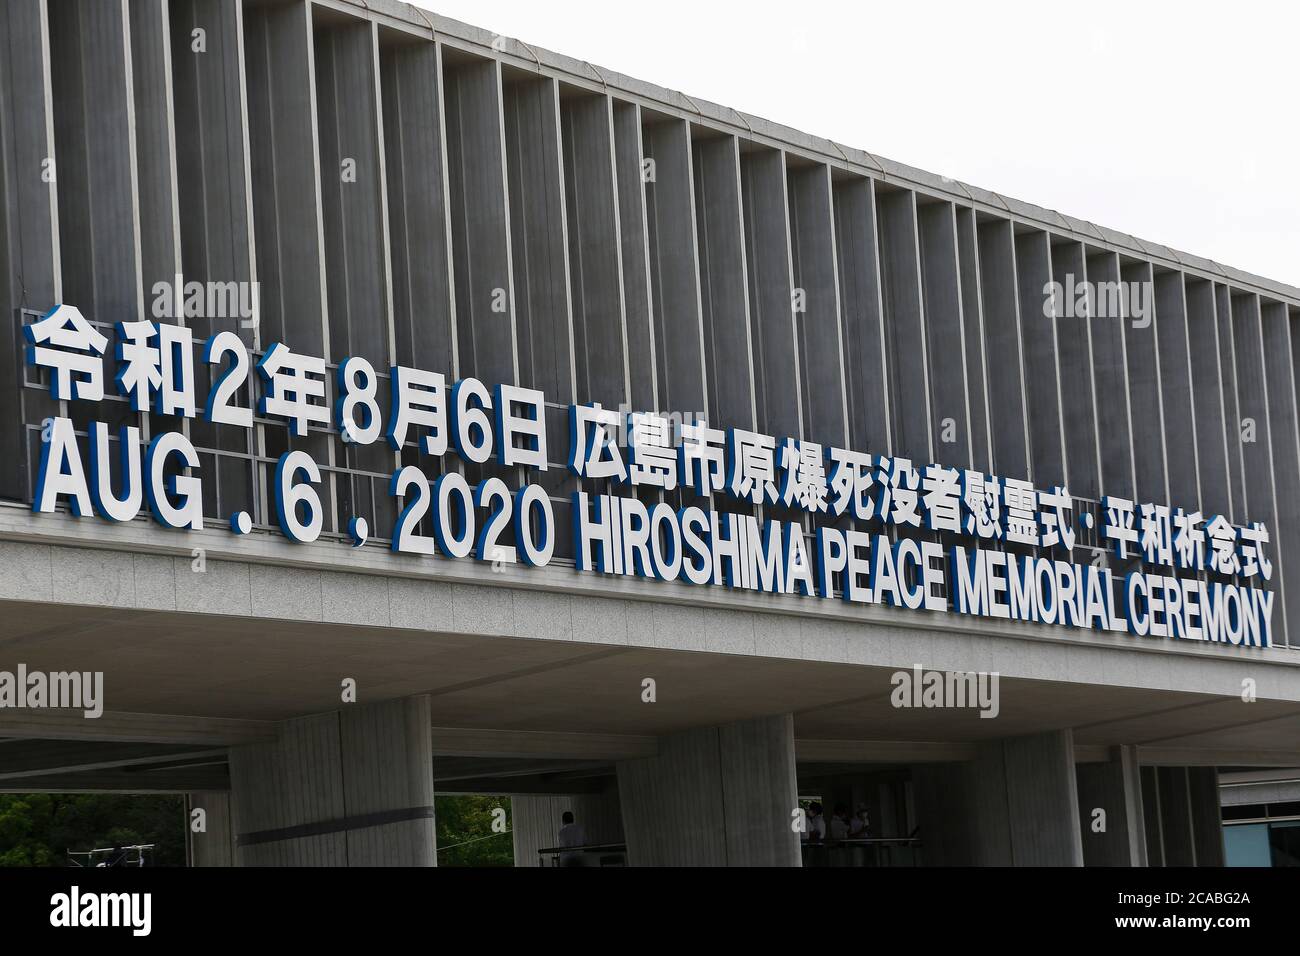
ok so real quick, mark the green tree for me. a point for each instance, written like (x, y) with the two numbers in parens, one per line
(465, 834)
(37, 829)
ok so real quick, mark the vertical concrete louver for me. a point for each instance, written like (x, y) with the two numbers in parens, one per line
(468, 204)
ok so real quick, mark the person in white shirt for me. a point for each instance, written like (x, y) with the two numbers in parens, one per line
(840, 827)
(815, 824)
(571, 834)
(860, 825)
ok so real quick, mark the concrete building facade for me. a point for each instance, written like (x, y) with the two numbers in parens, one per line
(365, 179)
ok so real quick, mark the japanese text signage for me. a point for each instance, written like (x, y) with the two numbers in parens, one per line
(882, 519)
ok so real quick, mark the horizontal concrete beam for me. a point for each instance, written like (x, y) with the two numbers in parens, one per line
(881, 751)
(447, 769)
(1246, 777)
(1246, 794)
(185, 780)
(905, 751)
(246, 579)
(540, 784)
(1183, 757)
(470, 742)
(140, 728)
(26, 758)
(909, 751)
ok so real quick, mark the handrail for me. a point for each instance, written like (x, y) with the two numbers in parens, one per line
(585, 848)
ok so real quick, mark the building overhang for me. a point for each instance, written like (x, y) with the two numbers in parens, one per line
(555, 671)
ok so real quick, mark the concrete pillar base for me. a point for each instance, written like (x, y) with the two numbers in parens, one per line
(351, 788)
(1115, 787)
(215, 844)
(717, 796)
(1183, 816)
(1014, 805)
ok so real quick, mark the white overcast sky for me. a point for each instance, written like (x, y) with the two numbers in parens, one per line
(1175, 122)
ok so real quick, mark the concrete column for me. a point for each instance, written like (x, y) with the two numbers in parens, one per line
(947, 818)
(1207, 818)
(1041, 355)
(634, 239)
(1114, 786)
(1042, 800)
(535, 822)
(358, 269)
(999, 297)
(1176, 816)
(1078, 402)
(724, 299)
(1151, 817)
(977, 377)
(1176, 396)
(416, 176)
(215, 845)
(1111, 386)
(99, 215)
(1284, 432)
(286, 177)
(350, 788)
(595, 253)
(480, 221)
(212, 151)
(820, 326)
(539, 240)
(1189, 815)
(945, 325)
(716, 796)
(769, 268)
(155, 143)
(857, 254)
(674, 264)
(29, 222)
(909, 383)
(1014, 805)
(1142, 354)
